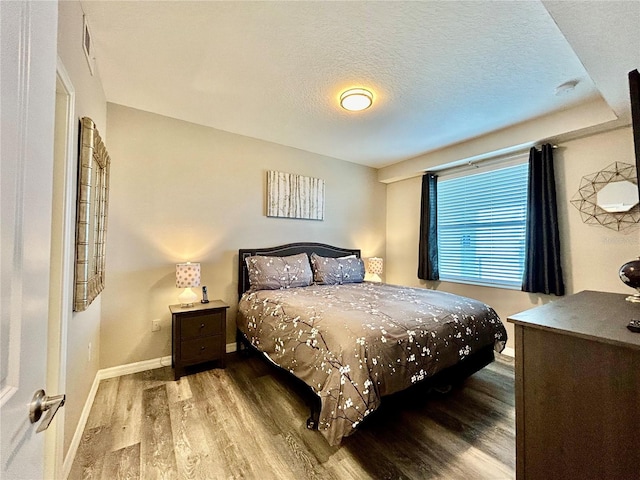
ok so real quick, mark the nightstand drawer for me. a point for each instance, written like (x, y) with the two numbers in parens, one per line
(201, 349)
(201, 325)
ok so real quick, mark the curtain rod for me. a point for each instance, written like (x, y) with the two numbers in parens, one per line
(486, 160)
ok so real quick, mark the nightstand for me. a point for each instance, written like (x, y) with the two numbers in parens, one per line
(198, 334)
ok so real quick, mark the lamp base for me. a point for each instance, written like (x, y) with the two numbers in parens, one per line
(187, 298)
(635, 298)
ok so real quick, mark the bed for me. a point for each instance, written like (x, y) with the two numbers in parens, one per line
(353, 342)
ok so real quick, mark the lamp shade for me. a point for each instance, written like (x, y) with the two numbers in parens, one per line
(374, 269)
(187, 275)
(375, 265)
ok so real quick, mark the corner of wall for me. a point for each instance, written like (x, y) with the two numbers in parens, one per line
(83, 333)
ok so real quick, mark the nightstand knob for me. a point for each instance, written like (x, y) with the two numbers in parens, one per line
(202, 348)
(202, 325)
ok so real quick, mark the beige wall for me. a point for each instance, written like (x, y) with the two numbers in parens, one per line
(181, 191)
(592, 255)
(84, 327)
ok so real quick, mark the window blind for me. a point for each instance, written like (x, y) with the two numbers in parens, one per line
(481, 226)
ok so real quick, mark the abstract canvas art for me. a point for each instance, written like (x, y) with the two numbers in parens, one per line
(294, 196)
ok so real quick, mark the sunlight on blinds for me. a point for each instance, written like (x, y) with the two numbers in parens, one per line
(481, 227)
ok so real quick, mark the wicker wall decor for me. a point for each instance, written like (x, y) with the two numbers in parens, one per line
(91, 216)
(586, 200)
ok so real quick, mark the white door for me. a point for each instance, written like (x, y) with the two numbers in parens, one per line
(28, 32)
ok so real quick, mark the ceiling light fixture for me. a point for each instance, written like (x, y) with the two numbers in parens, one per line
(356, 99)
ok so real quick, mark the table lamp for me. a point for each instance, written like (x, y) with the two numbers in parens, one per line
(375, 267)
(187, 276)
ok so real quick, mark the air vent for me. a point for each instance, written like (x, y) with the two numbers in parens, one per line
(87, 44)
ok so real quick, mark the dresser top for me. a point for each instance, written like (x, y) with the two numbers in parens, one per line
(597, 316)
(197, 306)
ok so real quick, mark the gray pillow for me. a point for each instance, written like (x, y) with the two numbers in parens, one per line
(273, 273)
(336, 271)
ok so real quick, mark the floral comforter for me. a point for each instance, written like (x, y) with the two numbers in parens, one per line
(354, 343)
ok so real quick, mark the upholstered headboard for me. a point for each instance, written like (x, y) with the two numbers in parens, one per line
(283, 251)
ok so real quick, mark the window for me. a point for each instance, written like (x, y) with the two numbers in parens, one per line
(481, 226)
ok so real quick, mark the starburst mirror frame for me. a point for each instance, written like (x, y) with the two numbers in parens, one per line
(586, 200)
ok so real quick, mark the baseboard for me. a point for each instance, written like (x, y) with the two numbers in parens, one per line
(136, 367)
(82, 422)
(231, 347)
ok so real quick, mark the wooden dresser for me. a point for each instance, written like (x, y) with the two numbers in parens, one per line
(578, 389)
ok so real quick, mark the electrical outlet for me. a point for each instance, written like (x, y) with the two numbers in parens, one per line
(155, 325)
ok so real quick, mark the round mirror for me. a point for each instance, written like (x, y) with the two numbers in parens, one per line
(618, 197)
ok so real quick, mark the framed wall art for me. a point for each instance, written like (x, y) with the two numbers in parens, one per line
(294, 196)
(91, 216)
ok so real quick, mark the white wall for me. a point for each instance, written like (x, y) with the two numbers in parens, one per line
(84, 327)
(180, 191)
(592, 255)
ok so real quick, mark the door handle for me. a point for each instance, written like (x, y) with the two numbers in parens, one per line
(42, 403)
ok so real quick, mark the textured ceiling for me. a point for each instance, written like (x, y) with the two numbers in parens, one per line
(441, 72)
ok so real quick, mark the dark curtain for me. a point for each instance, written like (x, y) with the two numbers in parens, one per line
(428, 247)
(542, 267)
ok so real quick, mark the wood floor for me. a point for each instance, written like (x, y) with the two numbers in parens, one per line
(248, 421)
